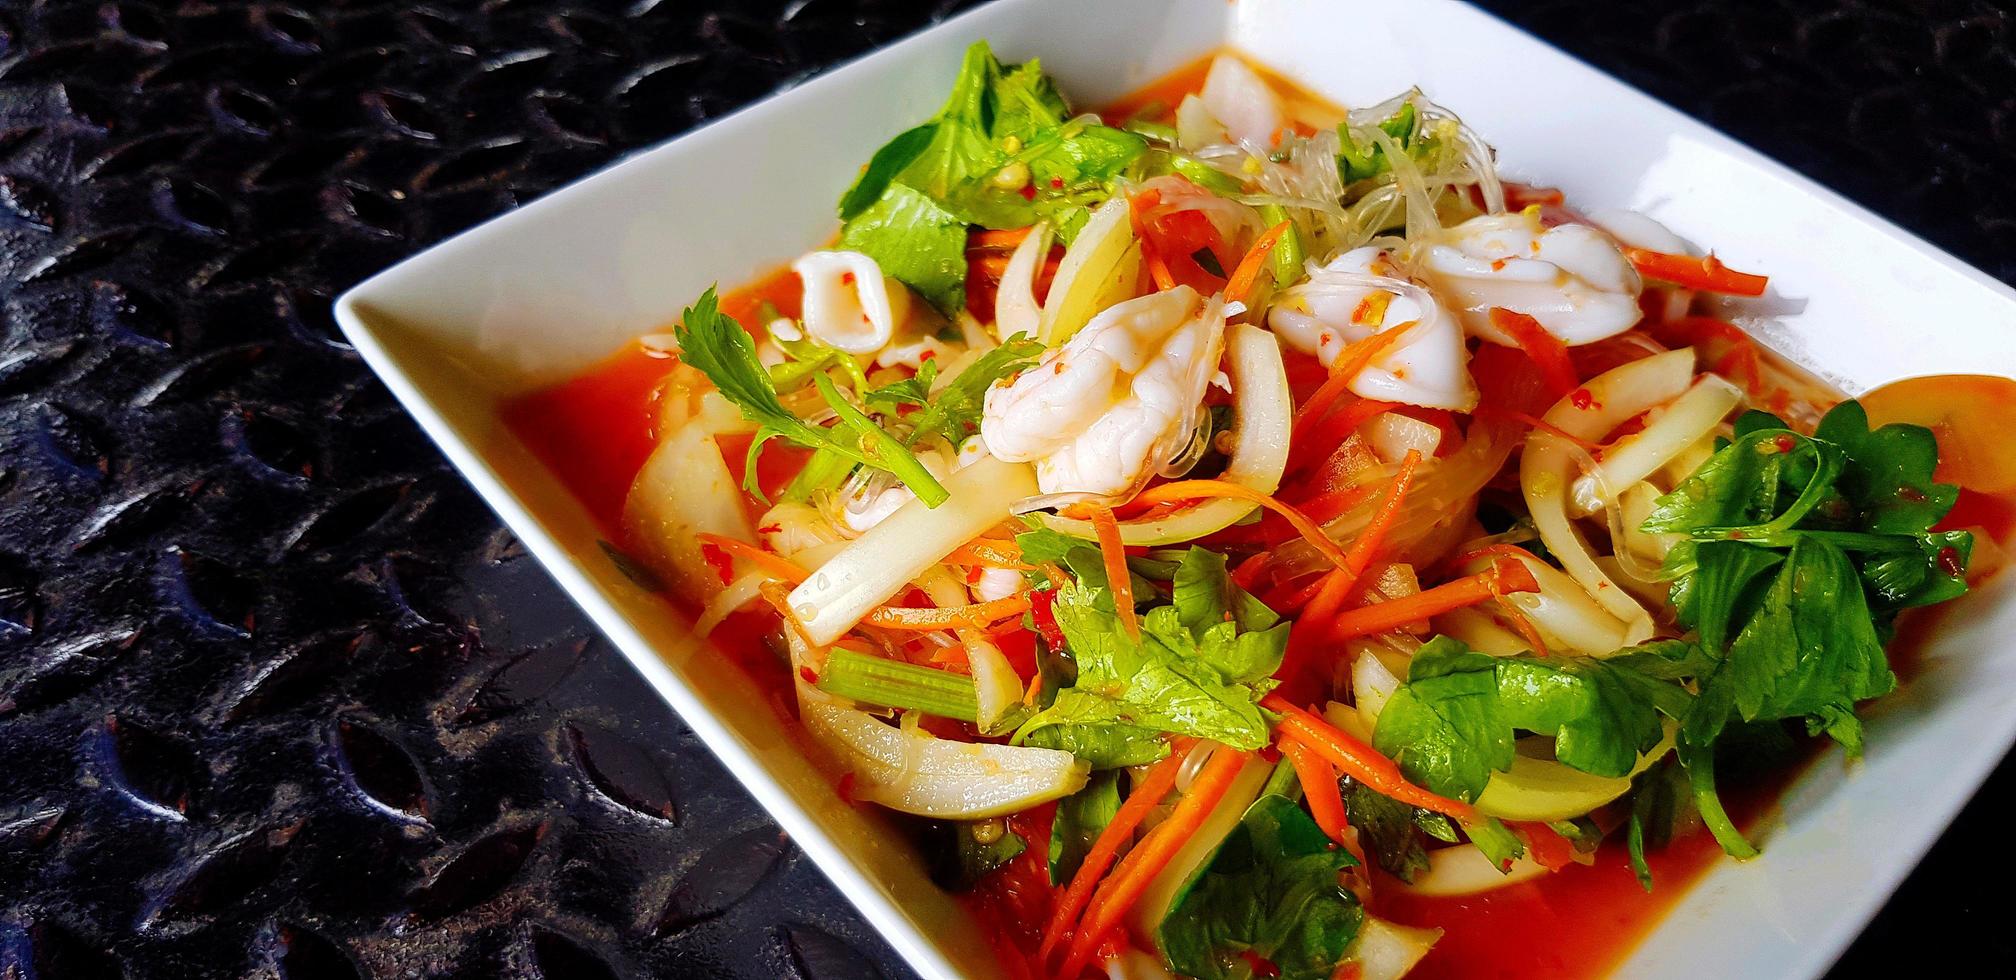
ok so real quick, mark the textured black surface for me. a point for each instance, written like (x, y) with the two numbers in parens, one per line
(277, 695)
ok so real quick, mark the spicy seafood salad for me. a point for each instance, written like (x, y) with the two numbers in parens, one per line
(1229, 524)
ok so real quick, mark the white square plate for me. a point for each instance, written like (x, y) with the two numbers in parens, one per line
(541, 293)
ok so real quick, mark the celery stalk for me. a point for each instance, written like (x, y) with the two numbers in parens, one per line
(1286, 259)
(894, 684)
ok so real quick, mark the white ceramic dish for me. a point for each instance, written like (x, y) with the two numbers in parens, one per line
(541, 293)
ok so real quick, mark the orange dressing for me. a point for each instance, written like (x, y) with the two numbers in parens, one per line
(595, 432)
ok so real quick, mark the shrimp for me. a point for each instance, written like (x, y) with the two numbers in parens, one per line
(1363, 292)
(1123, 395)
(1571, 278)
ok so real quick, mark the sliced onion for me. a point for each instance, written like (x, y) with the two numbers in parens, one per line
(1262, 417)
(1373, 684)
(1546, 468)
(1102, 267)
(1169, 884)
(1465, 870)
(1562, 610)
(913, 772)
(1015, 309)
(1544, 790)
(683, 490)
(1684, 423)
(995, 683)
(880, 563)
(1387, 950)
(739, 593)
(1480, 632)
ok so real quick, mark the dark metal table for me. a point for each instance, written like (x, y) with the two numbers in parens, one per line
(278, 697)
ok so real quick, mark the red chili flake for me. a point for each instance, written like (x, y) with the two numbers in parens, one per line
(1737, 535)
(1260, 965)
(1497, 265)
(1785, 444)
(807, 675)
(846, 279)
(1949, 561)
(769, 529)
(1028, 192)
(973, 575)
(846, 788)
(927, 355)
(719, 561)
(1581, 398)
(1269, 753)
(1056, 182)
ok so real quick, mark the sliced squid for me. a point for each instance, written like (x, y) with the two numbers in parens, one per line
(849, 304)
(1361, 293)
(1571, 278)
(1122, 398)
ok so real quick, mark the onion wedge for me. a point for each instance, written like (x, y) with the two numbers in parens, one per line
(1546, 467)
(1263, 415)
(913, 772)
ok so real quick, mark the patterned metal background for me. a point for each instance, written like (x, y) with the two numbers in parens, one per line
(279, 698)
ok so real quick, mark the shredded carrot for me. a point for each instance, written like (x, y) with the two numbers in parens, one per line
(1004, 238)
(1118, 579)
(1549, 354)
(1318, 622)
(1146, 795)
(1706, 273)
(1197, 489)
(987, 551)
(1329, 506)
(1137, 206)
(768, 561)
(1326, 801)
(1248, 571)
(1350, 362)
(978, 614)
(1357, 760)
(1249, 268)
(1332, 431)
(1119, 893)
(1505, 576)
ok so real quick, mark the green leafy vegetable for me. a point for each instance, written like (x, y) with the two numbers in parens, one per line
(716, 345)
(955, 410)
(963, 852)
(1388, 830)
(1272, 893)
(1452, 723)
(1199, 668)
(1799, 552)
(1080, 819)
(1003, 152)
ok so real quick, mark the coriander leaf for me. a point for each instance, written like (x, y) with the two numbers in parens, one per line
(1387, 828)
(1888, 476)
(1811, 650)
(1080, 819)
(1757, 421)
(1168, 680)
(955, 410)
(1739, 493)
(910, 236)
(1272, 892)
(1443, 726)
(1452, 723)
(960, 146)
(1934, 571)
(1102, 745)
